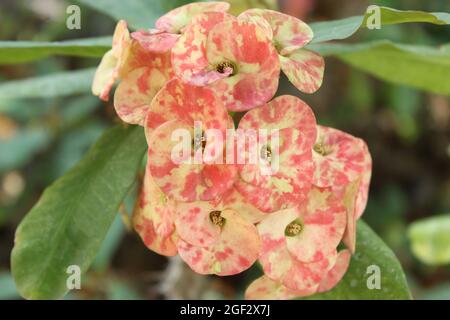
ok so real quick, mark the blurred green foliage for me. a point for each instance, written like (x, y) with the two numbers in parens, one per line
(430, 240)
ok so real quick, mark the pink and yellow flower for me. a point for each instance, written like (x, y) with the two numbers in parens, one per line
(292, 191)
(265, 288)
(232, 56)
(179, 106)
(291, 127)
(150, 69)
(113, 62)
(176, 20)
(299, 244)
(303, 67)
(154, 219)
(339, 158)
(343, 162)
(215, 239)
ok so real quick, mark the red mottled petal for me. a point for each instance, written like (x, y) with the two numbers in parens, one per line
(187, 103)
(194, 225)
(185, 181)
(135, 92)
(308, 276)
(288, 184)
(289, 33)
(112, 62)
(279, 264)
(343, 160)
(337, 272)
(261, 22)
(105, 76)
(324, 220)
(233, 200)
(155, 42)
(304, 70)
(189, 54)
(350, 194)
(245, 45)
(235, 250)
(139, 57)
(264, 288)
(174, 21)
(121, 38)
(280, 113)
(153, 219)
(275, 258)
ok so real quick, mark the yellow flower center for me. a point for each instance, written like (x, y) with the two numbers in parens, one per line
(266, 153)
(223, 66)
(199, 141)
(216, 218)
(322, 149)
(294, 228)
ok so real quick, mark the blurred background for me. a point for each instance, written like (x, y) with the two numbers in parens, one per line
(408, 133)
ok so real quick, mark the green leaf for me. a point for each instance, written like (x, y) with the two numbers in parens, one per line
(344, 28)
(420, 67)
(430, 240)
(139, 14)
(370, 251)
(26, 51)
(68, 224)
(49, 86)
(109, 245)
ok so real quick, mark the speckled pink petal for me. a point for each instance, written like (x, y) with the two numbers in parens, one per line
(245, 47)
(289, 33)
(185, 181)
(139, 57)
(283, 112)
(187, 103)
(277, 262)
(337, 272)
(233, 200)
(234, 251)
(189, 53)
(275, 258)
(194, 224)
(350, 195)
(290, 181)
(121, 38)
(154, 217)
(174, 21)
(105, 76)
(261, 22)
(155, 42)
(304, 69)
(135, 92)
(112, 62)
(308, 276)
(339, 158)
(323, 220)
(264, 288)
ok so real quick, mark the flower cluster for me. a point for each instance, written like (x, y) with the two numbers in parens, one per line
(202, 65)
